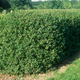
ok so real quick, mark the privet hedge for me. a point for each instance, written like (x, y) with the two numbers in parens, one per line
(33, 41)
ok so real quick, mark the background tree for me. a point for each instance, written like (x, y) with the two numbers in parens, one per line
(4, 4)
(70, 6)
(48, 4)
(75, 4)
(78, 5)
(20, 4)
(65, 4)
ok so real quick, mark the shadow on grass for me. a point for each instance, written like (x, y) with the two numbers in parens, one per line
(68, 61)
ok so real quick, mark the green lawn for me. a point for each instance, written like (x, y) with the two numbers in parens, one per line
(72, 72)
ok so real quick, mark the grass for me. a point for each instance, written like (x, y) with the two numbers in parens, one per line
(71, 73)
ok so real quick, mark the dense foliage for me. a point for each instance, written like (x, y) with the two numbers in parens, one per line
(33, 41)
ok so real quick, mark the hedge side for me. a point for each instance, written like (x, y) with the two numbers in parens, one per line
(33, 41)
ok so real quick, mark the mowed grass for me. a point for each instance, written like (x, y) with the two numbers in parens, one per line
(71, 73)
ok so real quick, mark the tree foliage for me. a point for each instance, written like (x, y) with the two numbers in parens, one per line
(13, 4)
(4, 4)
(20, 4)
(56, 4)
(47, 5)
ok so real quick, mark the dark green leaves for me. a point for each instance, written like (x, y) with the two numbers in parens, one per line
(33, 41)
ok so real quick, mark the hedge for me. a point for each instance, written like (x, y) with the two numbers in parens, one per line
(33, 41)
